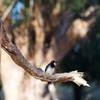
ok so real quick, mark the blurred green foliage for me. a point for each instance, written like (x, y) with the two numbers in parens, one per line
(78, 4)
(7, 2)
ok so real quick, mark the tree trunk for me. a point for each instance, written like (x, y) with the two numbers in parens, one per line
(18, 84)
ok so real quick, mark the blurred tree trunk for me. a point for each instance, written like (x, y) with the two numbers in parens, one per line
(18, 84)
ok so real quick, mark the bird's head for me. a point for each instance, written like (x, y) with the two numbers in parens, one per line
(54, 62)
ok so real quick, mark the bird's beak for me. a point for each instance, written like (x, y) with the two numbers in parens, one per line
(56, 62)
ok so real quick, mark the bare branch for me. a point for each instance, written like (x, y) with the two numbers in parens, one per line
(18, 58)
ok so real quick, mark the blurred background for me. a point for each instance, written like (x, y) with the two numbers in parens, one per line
(67, 31)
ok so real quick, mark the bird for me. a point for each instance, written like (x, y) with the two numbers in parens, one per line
(50, 68)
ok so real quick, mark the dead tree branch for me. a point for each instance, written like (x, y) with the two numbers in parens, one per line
(18, 58)
(12, 50)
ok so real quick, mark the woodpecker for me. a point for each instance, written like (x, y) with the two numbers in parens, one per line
(50, 68)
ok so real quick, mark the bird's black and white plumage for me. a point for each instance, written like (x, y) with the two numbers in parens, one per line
(50, 68)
